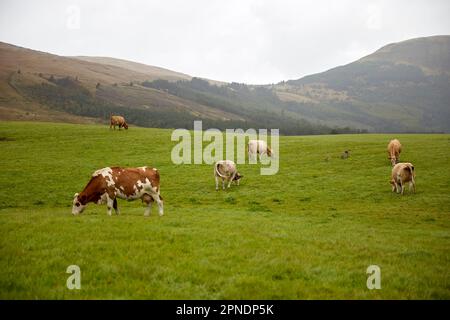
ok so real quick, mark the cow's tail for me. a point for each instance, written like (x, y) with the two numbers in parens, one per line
(269, 151)
(216, 169)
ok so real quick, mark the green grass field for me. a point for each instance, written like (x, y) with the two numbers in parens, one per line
(309, 232)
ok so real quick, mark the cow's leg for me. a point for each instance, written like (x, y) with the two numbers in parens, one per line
(231, 179)
(397, 187)
(116, 208)
(250, 155)
(160, 203)
(148, 201)
(109, 204)
(217, 182)
(412, 186)
(223, 184)
(402, 187)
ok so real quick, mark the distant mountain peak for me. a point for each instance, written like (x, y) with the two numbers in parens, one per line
(431, 54)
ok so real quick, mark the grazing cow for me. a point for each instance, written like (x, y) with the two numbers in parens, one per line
(394, 149)
(401, 174)
(260, 147)
(345, 154)
(118, 121)
(107, 184)
(226, 170)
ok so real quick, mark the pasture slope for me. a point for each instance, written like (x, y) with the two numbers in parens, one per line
(308, 232)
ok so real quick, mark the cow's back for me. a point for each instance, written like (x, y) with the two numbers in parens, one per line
(257, 146)
(394, 146)
(129, 179)
(225, 168)
(405, 170)
(117, 119)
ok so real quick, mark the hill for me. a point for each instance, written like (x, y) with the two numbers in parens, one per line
(401, 87)
(312, 239)
(42, 86)
(152, 72)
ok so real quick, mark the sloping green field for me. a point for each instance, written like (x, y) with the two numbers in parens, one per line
(308, 232)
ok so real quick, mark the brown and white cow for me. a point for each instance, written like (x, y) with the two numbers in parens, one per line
(260, 147)
(108, 184)
(394, 149)
(226, 170)
(118, 121)
(403, 173)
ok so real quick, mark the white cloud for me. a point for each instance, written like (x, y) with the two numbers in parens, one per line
(374, 19)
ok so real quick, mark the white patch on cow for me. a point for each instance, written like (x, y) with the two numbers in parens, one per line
(141, 188)
(121, 194)
(77, 209)
(109, 181)
(103, 199)
(105, 172)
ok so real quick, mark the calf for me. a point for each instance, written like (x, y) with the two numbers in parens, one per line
(394, 149)
(401, 174)
(256, 147)
(118, 121)
(226, 170)
(108, 184)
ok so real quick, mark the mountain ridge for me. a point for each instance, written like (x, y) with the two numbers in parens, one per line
(402, 87)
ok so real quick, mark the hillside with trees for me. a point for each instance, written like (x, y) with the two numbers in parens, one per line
(403, 87)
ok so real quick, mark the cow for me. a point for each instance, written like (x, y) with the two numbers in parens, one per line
(110, 183)
(260, 147)
(226, 170)
(401, 174)
(345, 154)
(394, 149)
(118, 121)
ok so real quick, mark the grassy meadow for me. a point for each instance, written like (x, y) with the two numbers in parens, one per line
(309, 232)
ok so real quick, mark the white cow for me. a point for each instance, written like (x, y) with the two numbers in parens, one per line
(403, 173)
(260, 147)
(226, 170)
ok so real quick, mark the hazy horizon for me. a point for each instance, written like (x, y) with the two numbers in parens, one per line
(256, 42)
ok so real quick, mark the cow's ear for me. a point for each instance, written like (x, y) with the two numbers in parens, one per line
(75, 195)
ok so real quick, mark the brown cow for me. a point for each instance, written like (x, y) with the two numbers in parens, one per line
(394, 149)
(118, 121)
(401, 174)
(107, 184)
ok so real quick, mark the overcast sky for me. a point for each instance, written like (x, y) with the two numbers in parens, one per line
(252, 41)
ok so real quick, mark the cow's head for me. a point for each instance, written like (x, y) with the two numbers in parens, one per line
(78, 205)
(125, 125)
(238, 176)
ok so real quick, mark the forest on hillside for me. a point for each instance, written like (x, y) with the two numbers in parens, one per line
(258, 106)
